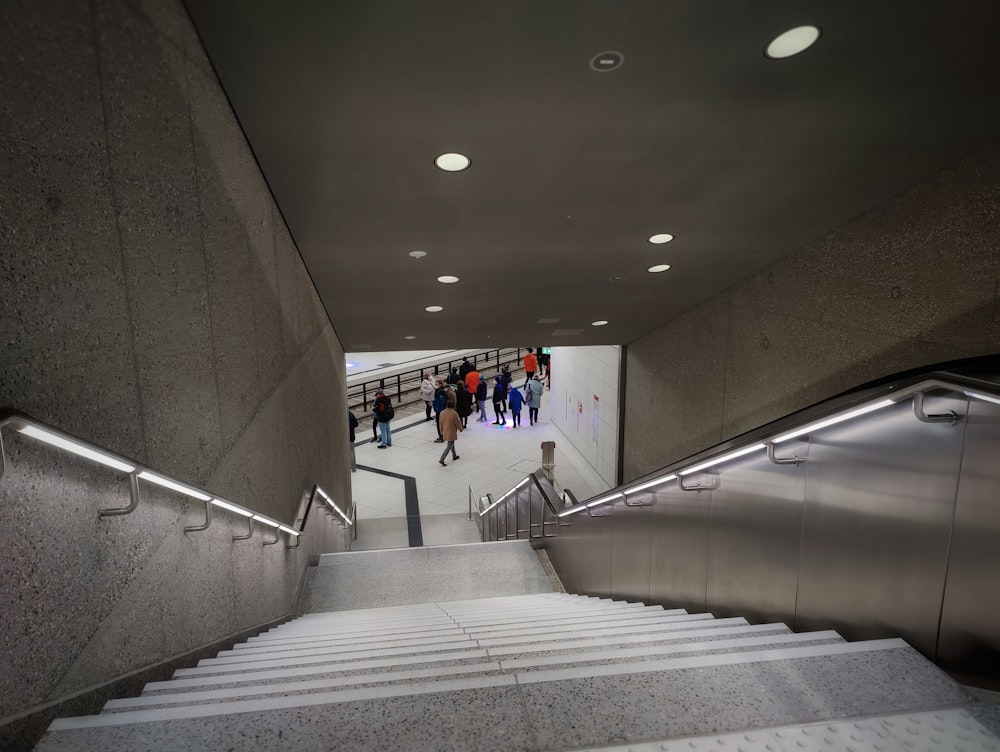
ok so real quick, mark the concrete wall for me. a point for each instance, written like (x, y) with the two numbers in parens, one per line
(584, 403)
(911, 283)
(153, 302)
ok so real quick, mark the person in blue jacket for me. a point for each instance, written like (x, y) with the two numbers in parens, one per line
(440, 403)
(516, 401)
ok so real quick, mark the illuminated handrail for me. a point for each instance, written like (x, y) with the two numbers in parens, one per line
(39, 430)
(837, 410)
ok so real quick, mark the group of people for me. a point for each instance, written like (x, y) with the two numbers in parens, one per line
(453, 399)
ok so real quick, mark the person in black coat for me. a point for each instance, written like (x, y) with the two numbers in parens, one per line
(499, 401)
(463, 404)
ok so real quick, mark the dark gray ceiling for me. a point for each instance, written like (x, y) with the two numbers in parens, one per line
(744, 159)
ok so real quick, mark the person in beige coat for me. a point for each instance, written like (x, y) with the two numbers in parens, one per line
(451, 424)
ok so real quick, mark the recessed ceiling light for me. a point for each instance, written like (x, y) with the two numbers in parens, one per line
(663, 237)
(602, 322)
(452, 162)
(792, 42)
(434, 308)
(658, 268)
(418, 254)
(617, 278)
(448, 279)
(409, 336)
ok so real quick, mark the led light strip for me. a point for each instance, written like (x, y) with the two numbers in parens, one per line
(832, 421)
(719, 460)
(333, 505)
(173, 485)
(232, 507)
(75, 448)
(511, 491)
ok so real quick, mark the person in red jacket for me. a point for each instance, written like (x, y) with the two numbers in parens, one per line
(472, 384)
(530, 365)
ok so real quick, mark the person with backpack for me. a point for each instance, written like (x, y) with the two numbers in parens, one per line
(384, 413)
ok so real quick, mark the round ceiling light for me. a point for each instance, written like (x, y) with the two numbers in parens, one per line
(658, 268)
(452, 162)
(663, 237)
(418, 254)
(792, 42)
(602, 322)
(409, 336)
(434, 308)
(447, 279)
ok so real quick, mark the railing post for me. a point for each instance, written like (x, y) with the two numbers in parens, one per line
(399, 388)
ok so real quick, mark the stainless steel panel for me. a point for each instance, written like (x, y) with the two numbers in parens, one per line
(970, 620)
(630, 552)
(581, 554)
(754, 538)
(679, 561)
(879, 503)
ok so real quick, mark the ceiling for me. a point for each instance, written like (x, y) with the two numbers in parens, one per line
(744, 159)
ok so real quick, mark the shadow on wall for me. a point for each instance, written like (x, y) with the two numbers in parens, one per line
(152, 302)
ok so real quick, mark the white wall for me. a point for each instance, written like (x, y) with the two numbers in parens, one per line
(584, 403)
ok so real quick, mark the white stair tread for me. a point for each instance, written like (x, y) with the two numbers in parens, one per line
(510, 666)
(395, 690)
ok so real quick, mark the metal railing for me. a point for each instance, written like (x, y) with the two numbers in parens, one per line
(765, 439)
(496, 515)
(36, 429)
(538, 512)
(406, 382)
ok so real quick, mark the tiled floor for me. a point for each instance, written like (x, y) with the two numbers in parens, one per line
(493, 458)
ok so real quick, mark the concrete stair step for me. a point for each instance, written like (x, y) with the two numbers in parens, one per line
(969, 729)
(317, 652)
(527, 626)
(551, 709)
(620, 656)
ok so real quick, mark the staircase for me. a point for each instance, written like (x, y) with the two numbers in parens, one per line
(544, 670)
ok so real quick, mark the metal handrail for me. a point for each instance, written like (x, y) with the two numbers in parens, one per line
(801, 423)
(411, 377)
(39, 430)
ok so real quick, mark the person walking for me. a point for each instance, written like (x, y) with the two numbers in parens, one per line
(463, 403)
(534, 393)
(481, 401)
(516, 400)
(451, 424)
(530, 365)
(352, 423)
(440, 403)
(383, 414)
(499, 401)
(427, 394)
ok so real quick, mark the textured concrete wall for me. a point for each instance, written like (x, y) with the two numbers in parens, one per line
(911, 283)
(153, 302)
